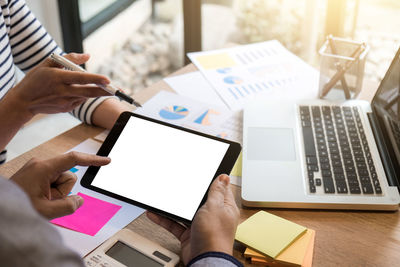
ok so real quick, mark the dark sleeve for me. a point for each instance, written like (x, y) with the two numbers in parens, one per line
(26, 238)
(214, 259)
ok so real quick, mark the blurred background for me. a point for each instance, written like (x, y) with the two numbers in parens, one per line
(138, 42)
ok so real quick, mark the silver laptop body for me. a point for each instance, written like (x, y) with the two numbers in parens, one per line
(281, 171)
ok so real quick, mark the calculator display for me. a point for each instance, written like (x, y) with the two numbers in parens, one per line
(130, 256)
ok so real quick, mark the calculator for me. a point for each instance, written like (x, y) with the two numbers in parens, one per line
(126, 249)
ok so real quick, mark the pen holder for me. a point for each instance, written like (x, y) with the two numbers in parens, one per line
(342, 68)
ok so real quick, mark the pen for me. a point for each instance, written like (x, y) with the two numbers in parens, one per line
(67, 64)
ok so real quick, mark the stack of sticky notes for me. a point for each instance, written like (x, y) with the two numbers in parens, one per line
(274, 241)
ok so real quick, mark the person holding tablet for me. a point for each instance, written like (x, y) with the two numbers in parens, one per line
(26, 238)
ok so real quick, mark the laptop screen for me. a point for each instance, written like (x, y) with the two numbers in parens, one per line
(386, 104)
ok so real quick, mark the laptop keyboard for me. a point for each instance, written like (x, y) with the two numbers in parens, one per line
(338, 157)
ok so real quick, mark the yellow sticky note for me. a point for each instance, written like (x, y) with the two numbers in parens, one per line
(268, 234)
(216, 61)
(297, 254)
(237, 168)
(309, 255)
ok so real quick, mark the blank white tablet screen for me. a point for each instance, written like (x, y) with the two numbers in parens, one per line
(161, 167)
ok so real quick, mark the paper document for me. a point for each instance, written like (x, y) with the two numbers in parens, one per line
(83, 243)
(192, 114)
(189, 113)
(101, 137)
(266, 69)
(195, 86)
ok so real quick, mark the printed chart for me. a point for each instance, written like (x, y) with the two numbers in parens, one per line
(189, 113)
(174, 112)
(204, 118)
(265, 69)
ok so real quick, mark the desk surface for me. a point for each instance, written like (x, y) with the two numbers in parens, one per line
(343, 238)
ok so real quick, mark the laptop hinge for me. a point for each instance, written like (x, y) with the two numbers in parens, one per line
(383, 151)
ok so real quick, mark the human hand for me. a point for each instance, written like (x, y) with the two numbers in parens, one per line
(214, 226)
(48, 88)
(48, 182)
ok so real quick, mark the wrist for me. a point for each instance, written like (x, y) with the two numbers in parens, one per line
(17, 109)
(218, 246)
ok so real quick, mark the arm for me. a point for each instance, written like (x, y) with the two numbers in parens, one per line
(30, 43)
(209, 241)
(12, 118)
(33, 45)
(107, 113)
(26, 238)
(46, 89)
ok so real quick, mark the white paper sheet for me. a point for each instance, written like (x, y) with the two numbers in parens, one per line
(195, 86)
(262, 70)
(102, 136)
(192, 114)
(82, 243)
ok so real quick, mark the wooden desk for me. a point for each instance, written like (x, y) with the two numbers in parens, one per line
(343, 238)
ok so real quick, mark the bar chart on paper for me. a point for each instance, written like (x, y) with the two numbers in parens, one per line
(265, 69)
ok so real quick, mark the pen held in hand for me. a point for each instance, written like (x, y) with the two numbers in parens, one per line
(67, 64)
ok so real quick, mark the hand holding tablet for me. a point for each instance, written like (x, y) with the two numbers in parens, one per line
(161, 167)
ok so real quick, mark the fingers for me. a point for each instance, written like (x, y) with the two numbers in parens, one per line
(77, 77)
(85, 90)
(173, 227)
(76, 58)
(219, 190)
(66, 161)
(76, 103)
(61, 187)
(61, 207)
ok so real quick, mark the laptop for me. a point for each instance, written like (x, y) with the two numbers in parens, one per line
(323, 154)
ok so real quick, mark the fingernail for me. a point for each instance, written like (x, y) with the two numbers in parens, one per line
(105, 82)
(224, 179)
(79, 200)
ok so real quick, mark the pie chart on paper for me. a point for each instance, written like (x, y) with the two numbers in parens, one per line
(233, 80)
(174, 112)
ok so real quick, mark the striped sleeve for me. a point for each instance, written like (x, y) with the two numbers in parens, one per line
(29, 40)
(85, 111)
(31, 44)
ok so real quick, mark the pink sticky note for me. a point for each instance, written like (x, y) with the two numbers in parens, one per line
(90, 217)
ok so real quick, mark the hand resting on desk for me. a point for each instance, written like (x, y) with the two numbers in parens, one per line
(48, 182)
(214, 226)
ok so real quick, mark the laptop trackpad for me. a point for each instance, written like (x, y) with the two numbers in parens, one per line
(275, 144)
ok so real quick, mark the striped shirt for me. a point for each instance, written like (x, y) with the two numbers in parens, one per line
(24, 43)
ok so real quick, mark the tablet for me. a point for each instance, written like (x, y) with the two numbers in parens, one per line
(161, 167)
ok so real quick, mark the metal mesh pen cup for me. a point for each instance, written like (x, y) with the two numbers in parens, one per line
(342, 68)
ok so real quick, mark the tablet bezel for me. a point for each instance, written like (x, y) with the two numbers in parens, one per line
(225, 166)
